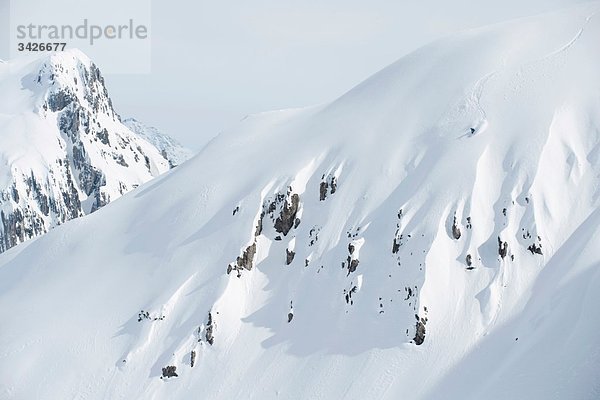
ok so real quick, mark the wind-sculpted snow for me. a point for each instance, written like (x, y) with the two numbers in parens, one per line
(63, 151)
(382, 246)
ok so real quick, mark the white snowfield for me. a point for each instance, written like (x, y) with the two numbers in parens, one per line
(432, 234)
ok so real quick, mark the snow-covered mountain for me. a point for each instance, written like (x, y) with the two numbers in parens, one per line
(170, 148)
(63, 150)
(432, 234)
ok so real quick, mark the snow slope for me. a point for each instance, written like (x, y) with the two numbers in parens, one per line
(170, 148)
(433, 233)
(63, 149)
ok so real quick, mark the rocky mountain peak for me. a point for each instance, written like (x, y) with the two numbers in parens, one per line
(65, 151)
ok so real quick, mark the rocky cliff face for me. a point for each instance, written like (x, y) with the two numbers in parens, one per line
(64, 152)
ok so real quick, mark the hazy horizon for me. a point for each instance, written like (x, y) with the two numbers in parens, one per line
(213, 63)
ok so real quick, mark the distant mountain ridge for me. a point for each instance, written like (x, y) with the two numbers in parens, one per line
(170, 148)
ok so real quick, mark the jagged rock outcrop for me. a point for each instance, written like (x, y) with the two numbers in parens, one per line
(210, 330)
(289, 256)
(419, 338)
(291, 312)
(193, 358)
(244, 261)
(169, 371)
(456, 234)
(328, 186)
(502, 248)
(287, 217)
(282, 210)
(352, 260)
(535, 249)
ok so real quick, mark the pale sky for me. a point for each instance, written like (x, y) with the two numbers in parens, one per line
(214, 62)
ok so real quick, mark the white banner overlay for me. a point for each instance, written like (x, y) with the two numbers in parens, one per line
(115, 34)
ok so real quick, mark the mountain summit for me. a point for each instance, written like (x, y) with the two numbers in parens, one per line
(64, 152)
(431, 234)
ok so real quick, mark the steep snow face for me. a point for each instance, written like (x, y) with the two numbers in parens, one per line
(170, 148)
(431, 234)
(63, 150)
